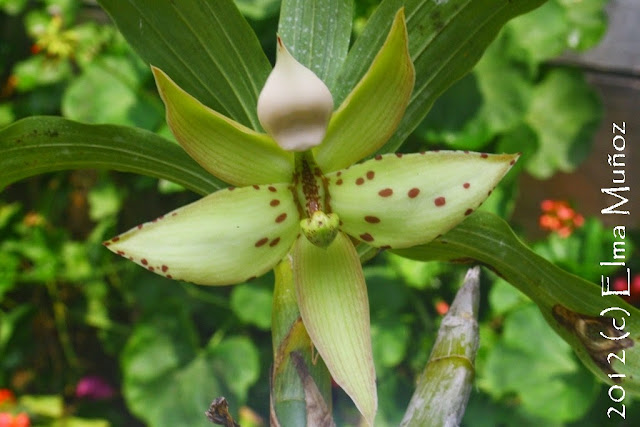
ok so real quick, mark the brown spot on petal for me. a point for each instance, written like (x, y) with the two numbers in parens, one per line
(386, 192)
(366, 237)
(385, 247)
(274, 242)
(140, 226)
(272, 189)
(512, 162)
(359, 181)
(164, 268)
(339, 182)
(121, 253)
(398, 155)
(484, 155)
(370, 175)
(106, 243)
(261, 242)
(466, 151)
(466, 185)
(413, 193)
(440, 201)
(372, 219)
(231, 188)
(169, 276)
(378, 157)
(174, 214)
(144, 261)
(257, 187)
(115, 239)
(339, 173)
(468, 212)
(274, 202)
(281, 217)
(151, 268)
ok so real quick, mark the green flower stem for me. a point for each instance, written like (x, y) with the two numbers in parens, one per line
(288, 396)
(444, 387)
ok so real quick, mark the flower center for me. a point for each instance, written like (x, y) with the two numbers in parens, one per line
(320, 225)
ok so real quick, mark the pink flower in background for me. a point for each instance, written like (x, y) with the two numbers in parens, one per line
(620, 284)
(559, 217)
(95, 388)
(20, 420)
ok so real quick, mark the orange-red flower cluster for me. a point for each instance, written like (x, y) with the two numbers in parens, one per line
(559, 217)
(7, 419)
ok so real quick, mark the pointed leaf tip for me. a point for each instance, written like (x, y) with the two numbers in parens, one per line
(225, 148)
(372, 111)
(334, 306)
(402, 200)
(225, 238)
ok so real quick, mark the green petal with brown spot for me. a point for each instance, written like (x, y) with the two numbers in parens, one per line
(333, 302)
(227, 237)
(401, 200)
(371, 113)
(227, 149)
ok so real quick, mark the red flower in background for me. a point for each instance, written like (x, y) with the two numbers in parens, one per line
(559, 217)
(20, 420)
(620, 284)
(6, 396)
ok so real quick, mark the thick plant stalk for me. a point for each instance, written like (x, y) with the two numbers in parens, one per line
(444, 387)
(300, 382)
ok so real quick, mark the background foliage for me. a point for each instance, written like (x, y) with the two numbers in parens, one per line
(69, 309)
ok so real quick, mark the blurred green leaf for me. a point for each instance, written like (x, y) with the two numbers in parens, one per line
(317, 34)
(170, 381)
(533, 362)
(565, 112)
(208, 50)
(416, 274)
(105, 200)
(110, 91)
(433, 29)
(39, 70)
(44, 144)
(485, 238)
(12, 7)
(258, 9)
(390, 339)
(252, 304)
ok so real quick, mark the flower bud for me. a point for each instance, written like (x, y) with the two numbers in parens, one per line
(294, 106)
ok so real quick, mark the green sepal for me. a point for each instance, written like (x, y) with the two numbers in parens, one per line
(371, 113)
(401, 200)
(227, 149)
(225, 238)
(333, 303)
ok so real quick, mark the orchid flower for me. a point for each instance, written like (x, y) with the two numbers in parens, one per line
(298, 192)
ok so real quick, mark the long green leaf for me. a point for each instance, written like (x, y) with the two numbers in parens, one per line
(206, 47)
(317, 33)
(573, 306)
(446, 39)
(45, 144)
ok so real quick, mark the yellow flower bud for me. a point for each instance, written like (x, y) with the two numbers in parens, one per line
(294, 106)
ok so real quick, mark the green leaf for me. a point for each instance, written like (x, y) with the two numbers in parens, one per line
(565, 112)
(370, 114)
(445, 384)
(317, 34)
(207, 48)
(333, 302)
(405, 200)
(252, 304)
(571, 305)
(230, 151)
(110, 91)
(38, 145)
(228, 237)
(169, 381)
(446, 39)
(533, 362)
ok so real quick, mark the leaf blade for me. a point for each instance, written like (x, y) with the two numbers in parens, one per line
(197, 54)
(38, 145)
